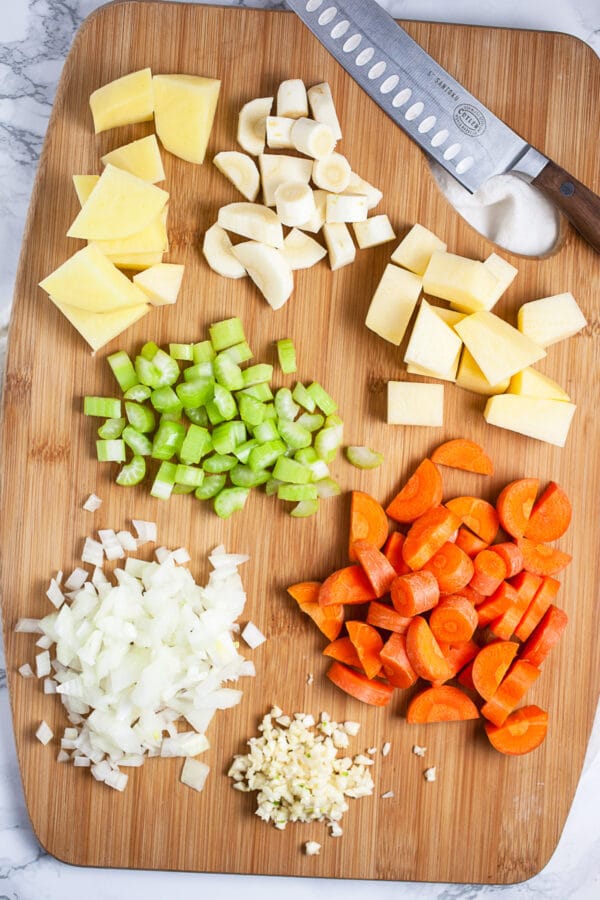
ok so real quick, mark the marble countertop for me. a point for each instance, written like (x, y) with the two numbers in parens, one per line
(35, 36)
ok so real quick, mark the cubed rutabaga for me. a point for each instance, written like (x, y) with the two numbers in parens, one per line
(532, 383)
(415, 249)
(498, 349)
(471, 378)
(551, 319)
(393, 303)
(433, 345)
(536, 417)
(466, 283)
(411, 403)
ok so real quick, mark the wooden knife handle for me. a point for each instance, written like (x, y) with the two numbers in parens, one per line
(578, 203)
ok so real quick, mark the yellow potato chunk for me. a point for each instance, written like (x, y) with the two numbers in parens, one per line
(151, 239)
(141, 158)
(184, 110)
(536, 417)
(135, 262)
(467, 283)
(413, 403)
(433, 344)
(471, 378)
(84, 185)
(160, 283)
(498, 349)
(393, 303)
(415, 249)
(100, 328)
(123, 101)
(551, 319)
(535, 384)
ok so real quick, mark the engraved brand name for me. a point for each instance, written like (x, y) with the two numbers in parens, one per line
(446, 88)
(469, 119)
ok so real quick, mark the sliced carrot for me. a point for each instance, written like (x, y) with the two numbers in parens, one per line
(526, 585)
(471, 594)
(490, 572)
(382, 615)
(511, 553)
(453, 620)
(478, 515)
(368, 521)
(542, 599)
(368, 644)
(396, 664)
(550, 516)
(523, 731)
(348, 585)
(542, 559)
(451, 566)
(461, 453)
(443, 703)
(490, 666)
(344, 651)
(544, 636)
(465, 677)
(469, 542)
(514, 505)
(459, 655)
(393, 551)
(328, 619)
(424, 652)
(414, 593)
(428, 534)
(497, 604)
(422, 491)
(510, 692)
(357, 685)
(377, 567)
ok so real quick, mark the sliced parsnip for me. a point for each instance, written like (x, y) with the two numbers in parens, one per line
(294, 203)
(217, 250)
(340, 245)
(317, 220)
(241, 170)
(323, 109)
(251, 131)
(276, 168)
(302, 251)
(332, 173)
(292, 101)
(358, 185)
(346, 208)
(312, 138)
(268, 269)
(279, 132)
(252, 220)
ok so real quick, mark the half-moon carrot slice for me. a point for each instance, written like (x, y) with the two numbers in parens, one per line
(523, 731)
(344, 651)
(329, 619)
(514, 504)
(427, 534)
(461, 453)
(347, 585)
(544, 636)
(550, 516)
(490, 572)
(357, 685)
(477, 514)
(510, 692)
(511, 553)
(376, 565)
(424, 652)
(422, 491)
(542, 599)
(542, 559)
(393, 551)
(368, 521)
(453, 620)
(443, 703)
(469, 542)
(368, 644)
(382, 615)
(452, 567)
(396, 664)
(490, 666)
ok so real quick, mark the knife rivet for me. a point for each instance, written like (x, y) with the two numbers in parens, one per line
(567, 188)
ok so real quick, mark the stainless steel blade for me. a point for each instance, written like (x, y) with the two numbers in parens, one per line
(437, 112)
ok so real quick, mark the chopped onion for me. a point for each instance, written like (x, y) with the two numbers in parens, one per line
(93, 552)
(146, 531)
(194, 773)
(44, 733)
(253, 636)
(26, 671)
(92, 503)
(76, 579)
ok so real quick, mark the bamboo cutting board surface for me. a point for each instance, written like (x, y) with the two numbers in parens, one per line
(487, 818)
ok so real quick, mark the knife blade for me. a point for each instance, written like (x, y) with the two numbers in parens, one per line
(435, 110)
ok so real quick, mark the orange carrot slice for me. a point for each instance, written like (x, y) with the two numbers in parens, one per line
(490, 666)
(510, 692)
(514, 505)
(443, 703)
(347, 585)
(328, 619)
(344, 651)
(452, 567)
(368, 644)
(497, 604)
(414, 593)
(459, 655)
(376, 565)
(542, 559)
(542, 599)
(453, 620)
(478, 515)
(490, 572)
(470, 542)
(526, 584)
(368, 521)
(357, 685)
(422, 491)
(428, 534)
(544, 636)
(550, 516)
(384, 616)
(512, 556)
(523, 731)
(396, 664)
(461, 453)
(393, 551)
(424, 652)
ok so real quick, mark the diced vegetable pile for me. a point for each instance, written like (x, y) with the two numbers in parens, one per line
(460, 596)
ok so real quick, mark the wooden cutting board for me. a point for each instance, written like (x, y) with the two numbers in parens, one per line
(487, 818)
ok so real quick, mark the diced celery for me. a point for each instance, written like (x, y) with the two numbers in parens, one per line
(184, 352)
(105, 407)
(162, 486)
(203, 352)
(327, 442)
(196, 444)
(230, 500)
(228, 435)
(149, 350)
(272, 486)
(224, 402)
(227, 372)
(260, 391)
(243, 451)
(167, 367)
(165, 400)
(290, 470)
(111, 428)
(252, 411)
(297, 492)
(363, 457)
(306, 455)
(327, 487)
(211, 486)
(215, 416)
(199, 370)
(219, 462)
(239, 353)
(286, 353)
(138, 393)
(263, 456)
(110, 450)
(140, 417)
(303, 398)
(198, 416)
(318, 470)
(183, 488)
(189, 475)
(266, 431)
(123, 369)
(244, 476)
(311, 421)
(322, 399)
(270, 412)
(196, 392)
(305, 508)
(257, 374)
(294, 434)
(284, 404)
(139, 443)
(226, 333)
(146, 371)
(168, 439)
(132, 472)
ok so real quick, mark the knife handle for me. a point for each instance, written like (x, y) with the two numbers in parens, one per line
(578, 203)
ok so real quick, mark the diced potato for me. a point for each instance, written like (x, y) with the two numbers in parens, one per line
(135, 262)
(551, 319)
(433, 344)
(184, 111)
(504, 272)
(450, 316)
(100, 328)
(84, 185)
(123, 101)
(471, 378)
(498, 349)
(340, 245)
(141, 158)
(151, 239)
(276, 169)
(160, 283)
(121, 204)
(89, 280)
(532, 383)
(373, 231)
(537, 417)
(393, 303)
(465, 282)
(412, 403)
(415, 249)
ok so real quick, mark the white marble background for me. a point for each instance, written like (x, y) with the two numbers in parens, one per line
(35, 36)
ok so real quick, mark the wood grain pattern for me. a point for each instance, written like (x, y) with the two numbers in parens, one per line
(487, 818)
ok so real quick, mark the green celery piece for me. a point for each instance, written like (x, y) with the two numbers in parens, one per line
(214, 415)
(272, 486)
(230, 500)
(138, 393)
(111, 428)
(224, 402)
(190, 476)
(327, 487)
(183, 352)
(243, 451)
(162, 486)
(252, 411)
(168, 440)
(196, 444)
(149, 350)
(265, 455)
(363, 457)
(210, 487)
(142, 418)
(104, 407)
(292, 471)
(311, 421)
(227, 372)
(257, 374)
(297, 492)
(305, 508)
(199, 370)
(286, 353)
(227, 435)
(226, 333)
(198, 416)
(123, 369)
(239, 353)
(219, 462)
(203, 352)
(294, 434)
(260, 391)
(244, 476)
(139, 443)
(165, 400)
(132, 472)
(306, 455)
(110, 450)
(266, 431)
(303, 398)
(168, 368)
(284, 404)
(322, 399)
(183, 488)
(146, 371)
(195, 392)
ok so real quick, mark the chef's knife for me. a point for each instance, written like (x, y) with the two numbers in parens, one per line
(437, 112)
